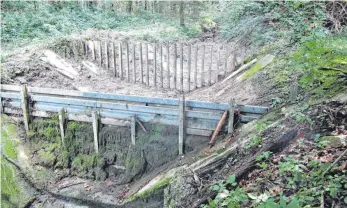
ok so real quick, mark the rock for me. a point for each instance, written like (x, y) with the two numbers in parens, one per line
(333, 141)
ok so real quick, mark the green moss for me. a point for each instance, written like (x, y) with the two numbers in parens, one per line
(131, 162)
(152, 190)
(254, 69)
(86, 162)
(48, 158)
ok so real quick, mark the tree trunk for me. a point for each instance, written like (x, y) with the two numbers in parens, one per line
(129, 6)
(182, 13)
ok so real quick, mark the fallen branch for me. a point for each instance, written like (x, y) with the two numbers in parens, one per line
(142, 126)
(337, 159)
(241, 69)
(218, 128)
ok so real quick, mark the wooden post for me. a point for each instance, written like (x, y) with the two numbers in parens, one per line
(175, 67)
(94, 51)
(181, 67)
(155, 65)
(161, 67)
(210, 68)
(189, 65)
(120, 49)
(218, 61)
(168, 66)
(106, 56)
(226, 60)
(181, 129)
(231, 117)
(127, 57)
(196, 68)
(293, 92)
(133, 129)
(134, 64)
(147, 69)
(100, 55)
(25, 107)
(62, 118)
(95, 117)
(141, 64)
(202, 66)
(114, 60)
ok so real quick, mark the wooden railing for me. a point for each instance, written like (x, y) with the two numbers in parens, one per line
(192, 117)
(183, 67)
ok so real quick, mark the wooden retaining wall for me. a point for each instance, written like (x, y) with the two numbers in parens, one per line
(183, 67)
(192, 117)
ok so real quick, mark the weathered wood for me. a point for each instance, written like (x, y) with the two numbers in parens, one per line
(100, 54)
(128, 62)
(106, 56)
(181, 133)
(226, 60)
(218, 128)
(217, 67)
(62, 121)
(175, 66)
(95, 118)
(141, 63)
(147, 68)
(25, 107)
(134, 63)
(210, 68)
(196, 67)
(94, 51)
(241, 69)
(161, 67)
(120, 49)
(141, 125)
(202, 81)
(11, 95)
(189, 64)
(231, 117)
(133, 129)
(155, 65)
(168, 66)
(114, 60)
(181, 68)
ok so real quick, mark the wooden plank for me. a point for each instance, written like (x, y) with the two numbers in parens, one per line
(94, 50)
(217, 67)
(25, 107)
(114, 60)
(181, 132)
(100, 54)
(62, 126)
(226, 59)
(231, 117)
(246, 118)
(198, 132)
(106, 56)
(133, 130)
(141, 63)
(155, 65)
(10, 87)
(175, 66)
(210, 68)
(253, 109)
(161, 67)
(11, 95)
(202, 81)
(196, 68)
(95, 118)
(168, 66)
(128, 64)
(181, 68)
(120, 49)
(134, 63)
(147, 68)
(189, 64)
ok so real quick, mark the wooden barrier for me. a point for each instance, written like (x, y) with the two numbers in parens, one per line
(192, 117)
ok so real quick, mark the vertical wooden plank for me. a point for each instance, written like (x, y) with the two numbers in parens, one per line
(106, 56)
(133, 129)
(100, 54)
(189, 65)
(234, 61)
(175, 67)
(231, 117)
(155, 66)
(202, 81)
(210, 68)
(94, 51)
(62, 117)
(25, 107)
(134, 63)
(196, 68)
(181, 67)
(181, 129)
(168, 66)
(218, 62)
(95, 118)
(128, 64)
(141, 63)
(120, 49)
(226, 60)
(147, 69)
(161, 67)
(114, 60)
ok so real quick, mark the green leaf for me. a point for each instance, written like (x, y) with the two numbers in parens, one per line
(231, 180)
(294, 203)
